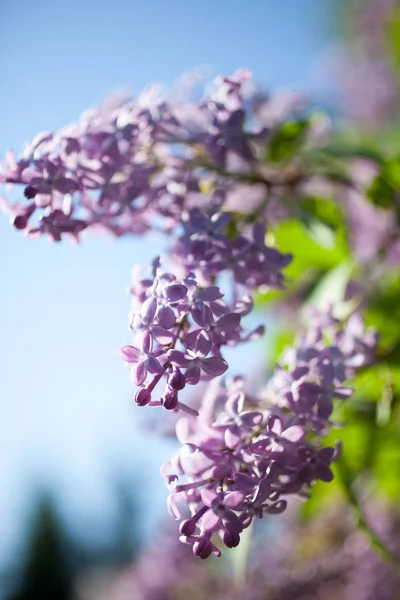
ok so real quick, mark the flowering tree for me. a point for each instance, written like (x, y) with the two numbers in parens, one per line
(260, 201)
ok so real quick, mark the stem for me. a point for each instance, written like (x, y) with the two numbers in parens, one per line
(376, 543)
(240, 555)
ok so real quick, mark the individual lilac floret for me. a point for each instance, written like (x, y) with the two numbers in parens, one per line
(242, 459)
(180, 331)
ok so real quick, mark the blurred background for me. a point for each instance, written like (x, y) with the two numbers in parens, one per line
(80, 493)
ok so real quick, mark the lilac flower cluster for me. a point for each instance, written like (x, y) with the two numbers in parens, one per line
(122, 166)
(338, 564)
(189, 170)
(129, 161)
(180, 329)
(205, 249)
(241, 459)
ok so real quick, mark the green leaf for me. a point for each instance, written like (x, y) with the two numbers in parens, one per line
(323, 235)
(384, 188)
(384, 311)
(393, 30)
(286, 140)
(291, 236)
(332, 286)
(323, 210)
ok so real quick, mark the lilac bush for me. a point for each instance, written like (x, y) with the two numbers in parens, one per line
(216, 176)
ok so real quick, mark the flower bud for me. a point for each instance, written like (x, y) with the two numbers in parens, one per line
(177, 380)
(30, 192)
(187, 527)
(230, 539)
(142, 397)
(202, 548)
(170, 400)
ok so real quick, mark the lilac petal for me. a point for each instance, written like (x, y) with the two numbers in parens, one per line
(259, 233)
(146, 342)
(276, 508)
(234, 404)
(198, 221)
(300, 371)
(163, 336)
(129, 354)
(210, 521)
(325, 455)
(148, 311)
(153, 365)
(244, 482)
(275, 424)
(325, 407)
(32, 176)
(244, 306)
(208, 496)
(43, 200)
(255, 334)
(263, 490)
(178, 358)
(324, 473)
(221, 471)
(343, 392)
(193, 375)
(214, 366)
(232, 437)
(166, 471)
(166, 317)
(182, 430)
(228, 322)
(203, 344)
(234, 499)
(251, 418)
(210, 294)
(232, 521)
(327, 372)
(175, 292)
(219, 308)
(221, 219)
(43, 136)
(155, 265)
(172, 507)
(294, 433)
(355, 324)
(139, 373)
(202, 314)
(190, 338)
(65, 185)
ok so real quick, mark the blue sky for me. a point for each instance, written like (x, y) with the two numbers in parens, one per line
(66, 415)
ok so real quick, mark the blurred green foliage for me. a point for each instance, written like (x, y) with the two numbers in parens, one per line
(324, 271)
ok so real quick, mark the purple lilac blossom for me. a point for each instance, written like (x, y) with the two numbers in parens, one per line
(190, 169)
(126, 163)
(240, 460)
(134, 166)
(180, 330)
(282, 564)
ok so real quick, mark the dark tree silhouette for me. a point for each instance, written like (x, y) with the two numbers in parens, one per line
(47, 573)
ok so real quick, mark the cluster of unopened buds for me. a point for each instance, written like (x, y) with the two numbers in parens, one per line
(131, 167)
